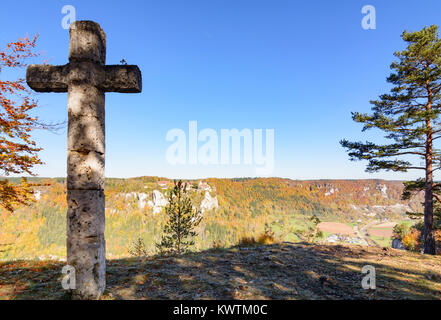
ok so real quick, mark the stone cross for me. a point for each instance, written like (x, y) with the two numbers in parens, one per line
(86, 78)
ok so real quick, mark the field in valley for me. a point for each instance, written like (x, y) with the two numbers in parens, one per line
(373, 233)
(337, 228)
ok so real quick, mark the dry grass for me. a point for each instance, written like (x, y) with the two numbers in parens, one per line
(265, 238)
(279, 271)
(247, 241)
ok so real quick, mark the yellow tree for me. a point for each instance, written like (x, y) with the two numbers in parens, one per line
(18, 152)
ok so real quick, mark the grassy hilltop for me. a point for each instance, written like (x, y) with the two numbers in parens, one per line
(279, 271)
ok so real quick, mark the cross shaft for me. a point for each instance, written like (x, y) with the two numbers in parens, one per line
(86, 78)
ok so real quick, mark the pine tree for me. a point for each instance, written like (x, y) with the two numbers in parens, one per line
(138, 248)
(409, 115)
(313, 233)
(183, 219)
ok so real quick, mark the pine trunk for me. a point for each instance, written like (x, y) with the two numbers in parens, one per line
(429, 241)
(179, 221)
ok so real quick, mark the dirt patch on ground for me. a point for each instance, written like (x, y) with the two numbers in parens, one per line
(386, 225)
(336, 227)
(381, 232)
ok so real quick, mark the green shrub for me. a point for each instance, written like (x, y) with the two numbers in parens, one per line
(401, 230)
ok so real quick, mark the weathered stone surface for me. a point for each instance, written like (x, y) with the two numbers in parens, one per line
(44, 78)
(125, 79)
(86, 213)
(86, 100)
(86, 134)
(86, 78)
(87, 42)
(85, 241)
(85, 170)
(85, 72)
(88, 257)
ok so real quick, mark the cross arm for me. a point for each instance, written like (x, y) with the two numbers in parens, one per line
(46, 78)
(122, 78)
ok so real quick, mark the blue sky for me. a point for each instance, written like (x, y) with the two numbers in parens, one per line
(298, 67)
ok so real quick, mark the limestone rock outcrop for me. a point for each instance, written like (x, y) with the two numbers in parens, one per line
(159, 201)
(209, 202)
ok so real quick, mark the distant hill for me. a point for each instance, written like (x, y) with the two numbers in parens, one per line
(232, 209)
(345, 200)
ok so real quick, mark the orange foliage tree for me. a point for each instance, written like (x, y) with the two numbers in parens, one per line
(18, 152)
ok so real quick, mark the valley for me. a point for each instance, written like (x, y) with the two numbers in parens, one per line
(352, 212)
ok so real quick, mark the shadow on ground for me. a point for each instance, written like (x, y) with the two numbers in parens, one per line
(279, 271)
